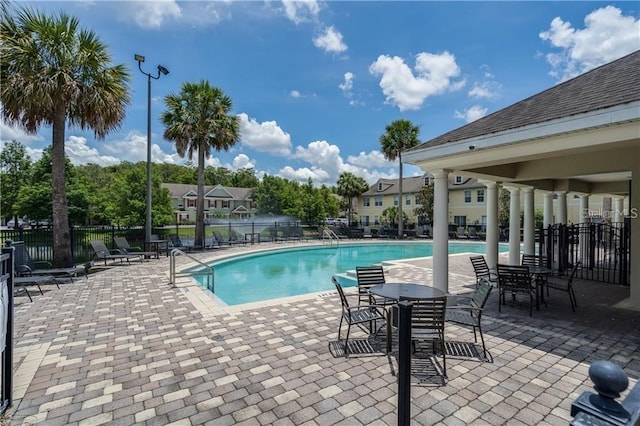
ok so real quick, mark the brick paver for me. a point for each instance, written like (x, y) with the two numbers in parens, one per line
(126, 347)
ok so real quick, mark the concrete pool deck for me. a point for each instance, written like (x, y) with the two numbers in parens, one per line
(125, 347)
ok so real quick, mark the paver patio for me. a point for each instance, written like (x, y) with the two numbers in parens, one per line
(125, 347)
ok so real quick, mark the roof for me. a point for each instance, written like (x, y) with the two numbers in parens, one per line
(412, 185)
(612, 84)
(179, 190)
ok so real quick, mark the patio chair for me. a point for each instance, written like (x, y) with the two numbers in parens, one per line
(470, 313)
(176, 242)
(361, 315)
(101, 252)
(427, 324)
(460, 233)
(483, 271)
(565, 284)
(536, 260)
(515, 279)
(24, 281)
(26, 266)
(123, 245)
(367, 277)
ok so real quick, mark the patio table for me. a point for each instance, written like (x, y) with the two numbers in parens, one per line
(540, 273)
(402, 291)
(154, 245)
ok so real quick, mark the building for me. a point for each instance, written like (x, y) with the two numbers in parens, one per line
(219, 202)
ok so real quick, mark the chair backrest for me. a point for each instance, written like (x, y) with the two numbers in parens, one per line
(368, 276)
(514, 277)
(480, 267)
(175, 240)
(343, 298)
(573, 271)
(428, 315)
(480, 297)
(99, 248)
(121, 243)
(22, 259)
(534, 260)
(154, 237)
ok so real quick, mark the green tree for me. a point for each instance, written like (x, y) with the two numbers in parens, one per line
(198, 120)
(350, 186)
(53, 73)
(399, 136)
(390, 214)
(15, 164)
(425, 201)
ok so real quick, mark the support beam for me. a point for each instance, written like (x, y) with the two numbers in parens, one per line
(441, 230)
(529, 221)
(492, 231)
(562, 207)
(514, 226)
(548, 209)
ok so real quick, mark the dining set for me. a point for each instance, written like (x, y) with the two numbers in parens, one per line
(377, 309)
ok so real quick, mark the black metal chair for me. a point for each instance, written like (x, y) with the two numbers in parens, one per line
(483, 271)
(470, 314)
(360, 315)
(536, 260)
(367, 277)
(427, 324)
(565, 284)
(515, 279)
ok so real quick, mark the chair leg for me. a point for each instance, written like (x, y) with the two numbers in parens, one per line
(484, 348)
(475, 337)
(346, 341)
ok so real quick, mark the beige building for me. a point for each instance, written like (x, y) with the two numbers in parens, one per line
(219, 202)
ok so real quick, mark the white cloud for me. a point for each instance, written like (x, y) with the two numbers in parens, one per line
(371, 159)
(434, 75)
(303, 174)
(152, 14)
(264, 137)
(242, 161)
(330, 40)
(299, 11)
(134, 148)
(471, 114)
(295, 94)
(10, 133)
(607, 35)
(488, 88)
(321, 154)
(347, 85)
(79, 153)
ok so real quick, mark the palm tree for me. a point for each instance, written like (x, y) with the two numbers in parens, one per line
(197, 120)
(399, 135)
(53, 73)
(349, 186)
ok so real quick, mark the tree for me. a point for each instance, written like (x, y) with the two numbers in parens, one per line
(14, 165)
(425, 201)
(350, 186)
(197, 120)
(53, 73)
(399, 136)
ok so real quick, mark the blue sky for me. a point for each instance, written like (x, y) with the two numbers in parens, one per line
(315, 83)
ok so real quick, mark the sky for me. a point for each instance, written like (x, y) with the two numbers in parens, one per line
(315, 83)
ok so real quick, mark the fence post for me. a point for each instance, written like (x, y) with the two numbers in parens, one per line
(404, 363)
(6, 272)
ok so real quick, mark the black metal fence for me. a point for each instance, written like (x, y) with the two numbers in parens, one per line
(6, 328)
(40, 241)
(602, 248)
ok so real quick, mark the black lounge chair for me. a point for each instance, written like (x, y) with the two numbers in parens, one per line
(26, 266)
(123, 245)
(101, 252)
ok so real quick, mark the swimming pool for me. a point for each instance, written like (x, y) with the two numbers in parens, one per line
(299, 270)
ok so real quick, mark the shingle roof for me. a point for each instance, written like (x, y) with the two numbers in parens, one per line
(612, 84)
(413, 184)
(178, 190)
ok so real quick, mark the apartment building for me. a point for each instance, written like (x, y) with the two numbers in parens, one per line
(219, 202)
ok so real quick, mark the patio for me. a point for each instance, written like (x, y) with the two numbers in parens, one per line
(125, 347)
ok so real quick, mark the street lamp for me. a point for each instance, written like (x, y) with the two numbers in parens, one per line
(161, 70)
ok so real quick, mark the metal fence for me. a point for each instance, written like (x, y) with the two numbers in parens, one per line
(602, 248)
(40, 241)
(6, 328)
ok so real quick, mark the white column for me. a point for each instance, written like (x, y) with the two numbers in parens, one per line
(562, 207)
(514, 226)
(441, 231)
(618, 209)
(548, 209)
(529, 221)
(492, 224)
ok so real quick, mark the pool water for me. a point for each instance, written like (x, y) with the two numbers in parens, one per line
(300, 270)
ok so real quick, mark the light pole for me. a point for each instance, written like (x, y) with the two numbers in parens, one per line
(164, 71)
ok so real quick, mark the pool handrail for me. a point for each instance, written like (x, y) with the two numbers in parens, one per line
(332, 236)
(172, 269)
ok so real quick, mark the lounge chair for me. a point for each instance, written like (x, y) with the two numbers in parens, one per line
(101, 252)
(25, 266)
(176, 243)
(123, 245)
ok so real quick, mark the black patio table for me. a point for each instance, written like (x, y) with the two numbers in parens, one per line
(403, 291)
(539, 273)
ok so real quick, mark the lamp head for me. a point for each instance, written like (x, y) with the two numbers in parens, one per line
(139, 58)
(163, 70)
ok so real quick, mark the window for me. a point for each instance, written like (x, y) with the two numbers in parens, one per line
(379, 186)
(366, 202)
(225, 204)
(460, 220)
(191, 203)
(407, 200)
(379, 201)
(467, 196)
(458, 180)
(480, 196)
(395, 200)
(364, 220)
(426, 181)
